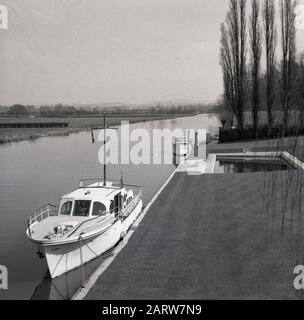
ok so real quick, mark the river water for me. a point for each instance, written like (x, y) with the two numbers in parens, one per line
(35, 173)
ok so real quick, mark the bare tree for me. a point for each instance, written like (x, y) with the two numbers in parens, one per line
(287, 14)
(300, 86)
(256, 51)
(228, 71)
(270, 35)
(233, 57)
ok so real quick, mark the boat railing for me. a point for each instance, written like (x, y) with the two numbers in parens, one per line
(43, 213)
(99, 183)
(131, 206)
(96, 183)
(94, 223)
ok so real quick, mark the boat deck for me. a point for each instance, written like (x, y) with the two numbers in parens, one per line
(206, 237)
(42, 229)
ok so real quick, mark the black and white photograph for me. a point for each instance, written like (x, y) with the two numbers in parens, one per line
(151, 151)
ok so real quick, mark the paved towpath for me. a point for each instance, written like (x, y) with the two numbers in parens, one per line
(205, 237)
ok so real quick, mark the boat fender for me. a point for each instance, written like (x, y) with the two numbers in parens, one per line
(122, 234)
(40, 254)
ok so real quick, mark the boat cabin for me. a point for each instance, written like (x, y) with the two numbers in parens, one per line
(84, 205)
(94, 201)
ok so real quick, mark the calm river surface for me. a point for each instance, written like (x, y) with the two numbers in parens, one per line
(35, 173)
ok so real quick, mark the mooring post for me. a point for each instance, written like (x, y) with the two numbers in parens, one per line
(104, 152)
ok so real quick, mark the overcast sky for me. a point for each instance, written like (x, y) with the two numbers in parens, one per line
(90, 51)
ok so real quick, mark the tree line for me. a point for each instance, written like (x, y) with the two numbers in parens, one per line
(246, 41)
(59, 110)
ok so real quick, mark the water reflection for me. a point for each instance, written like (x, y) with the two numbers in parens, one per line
(253, 165)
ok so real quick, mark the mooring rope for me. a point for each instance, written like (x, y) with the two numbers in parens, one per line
(81, 261)
(81, 258)
(57, 265)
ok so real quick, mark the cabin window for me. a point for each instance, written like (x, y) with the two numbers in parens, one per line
(66, 208)
(99, 209)
(82, 208)
(112, 206)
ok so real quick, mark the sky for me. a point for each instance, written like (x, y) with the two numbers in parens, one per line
(127, 51)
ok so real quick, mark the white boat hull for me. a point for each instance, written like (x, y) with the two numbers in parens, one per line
(63, 258)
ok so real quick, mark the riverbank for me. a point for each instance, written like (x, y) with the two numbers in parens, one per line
(76, 125)
(15, 135)
(205, 237)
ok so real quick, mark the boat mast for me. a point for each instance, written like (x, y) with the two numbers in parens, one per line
(104, 152)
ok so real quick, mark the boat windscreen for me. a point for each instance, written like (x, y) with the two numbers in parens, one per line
(99, 209)
(82, 208)
(66, 208)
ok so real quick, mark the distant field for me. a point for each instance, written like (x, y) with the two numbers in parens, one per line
(76, 124)
(86, 122)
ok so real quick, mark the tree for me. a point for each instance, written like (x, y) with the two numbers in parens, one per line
(228, 71)
(233, 57)
(287, 14)
(17, 110)
(46, 111)
(270, 35)
(300, 86)
(256, 51)
(59, 110)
